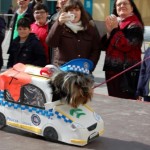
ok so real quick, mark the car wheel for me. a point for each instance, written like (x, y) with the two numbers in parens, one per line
(2, 121)
(50, 134)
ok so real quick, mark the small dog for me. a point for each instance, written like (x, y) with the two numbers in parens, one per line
(74, 87)
(71, 82)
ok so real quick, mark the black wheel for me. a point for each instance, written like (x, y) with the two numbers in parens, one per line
(2, 121)
(50, 134)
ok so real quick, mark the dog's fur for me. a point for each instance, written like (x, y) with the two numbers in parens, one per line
(74, 87)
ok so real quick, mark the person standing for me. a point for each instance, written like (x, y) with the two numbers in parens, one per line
(59, 6)
(123, 43)
(53, 51)
(41, 26)
(34, 2)
(143, 90)
(22, 11)
(73, 35)
(26, 48)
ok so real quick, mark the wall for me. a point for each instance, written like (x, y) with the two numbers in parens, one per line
(101, 8)
(143, 7)
(14, 3)
(3, 7)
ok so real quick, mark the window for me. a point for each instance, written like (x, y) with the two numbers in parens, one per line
(8, 96)
(32, 95)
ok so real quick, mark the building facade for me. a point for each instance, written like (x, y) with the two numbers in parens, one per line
(99, 9)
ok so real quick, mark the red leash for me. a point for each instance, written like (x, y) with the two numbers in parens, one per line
(122, 72)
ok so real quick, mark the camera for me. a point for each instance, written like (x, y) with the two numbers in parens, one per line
(70, 16)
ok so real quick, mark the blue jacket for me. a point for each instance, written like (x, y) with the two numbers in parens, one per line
(143, 88)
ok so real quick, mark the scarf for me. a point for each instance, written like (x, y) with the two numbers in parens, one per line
(75, 27)
(129, 20)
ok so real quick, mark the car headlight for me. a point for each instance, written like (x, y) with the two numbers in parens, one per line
(97, 117)
(75, 126)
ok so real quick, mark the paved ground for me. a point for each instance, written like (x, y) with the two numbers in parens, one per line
(127, 127)
(100, 77)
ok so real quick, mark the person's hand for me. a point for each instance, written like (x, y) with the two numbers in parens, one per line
(111, 23)
(64, 17)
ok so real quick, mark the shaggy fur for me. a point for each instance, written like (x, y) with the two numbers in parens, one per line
(74, 87)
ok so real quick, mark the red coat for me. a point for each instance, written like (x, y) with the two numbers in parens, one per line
(124, 45)
(42, 32)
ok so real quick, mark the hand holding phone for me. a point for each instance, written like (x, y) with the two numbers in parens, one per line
(65, 17)
(70, 16)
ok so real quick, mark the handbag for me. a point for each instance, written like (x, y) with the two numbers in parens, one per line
(6, 41)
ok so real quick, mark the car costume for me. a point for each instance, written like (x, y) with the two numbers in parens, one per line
(32, 101)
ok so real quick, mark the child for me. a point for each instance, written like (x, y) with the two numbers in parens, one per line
(41, 26)
(22, 11)
(143, 88)
(26, 48)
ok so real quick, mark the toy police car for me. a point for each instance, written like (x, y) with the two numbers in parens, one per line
(25, 103)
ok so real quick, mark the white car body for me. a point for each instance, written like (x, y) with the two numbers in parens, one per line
(36, 113)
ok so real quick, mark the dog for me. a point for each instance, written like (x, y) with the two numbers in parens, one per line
(71, 82)
(74, 87)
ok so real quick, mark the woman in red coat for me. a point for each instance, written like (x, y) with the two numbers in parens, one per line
(123, 48)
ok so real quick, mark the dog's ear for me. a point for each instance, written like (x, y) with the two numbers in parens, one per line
(56, 83)
(58, 79)
(80, 97)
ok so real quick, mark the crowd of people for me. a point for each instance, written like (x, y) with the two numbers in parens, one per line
(70, 33)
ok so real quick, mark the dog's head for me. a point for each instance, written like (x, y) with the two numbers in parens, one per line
(74, 87)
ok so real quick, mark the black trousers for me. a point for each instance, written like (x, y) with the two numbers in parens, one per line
(147, 99)
(118, 87)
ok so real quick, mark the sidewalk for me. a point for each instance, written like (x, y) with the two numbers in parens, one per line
(99, 75)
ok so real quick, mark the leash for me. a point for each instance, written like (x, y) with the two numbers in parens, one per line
(122, 72)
